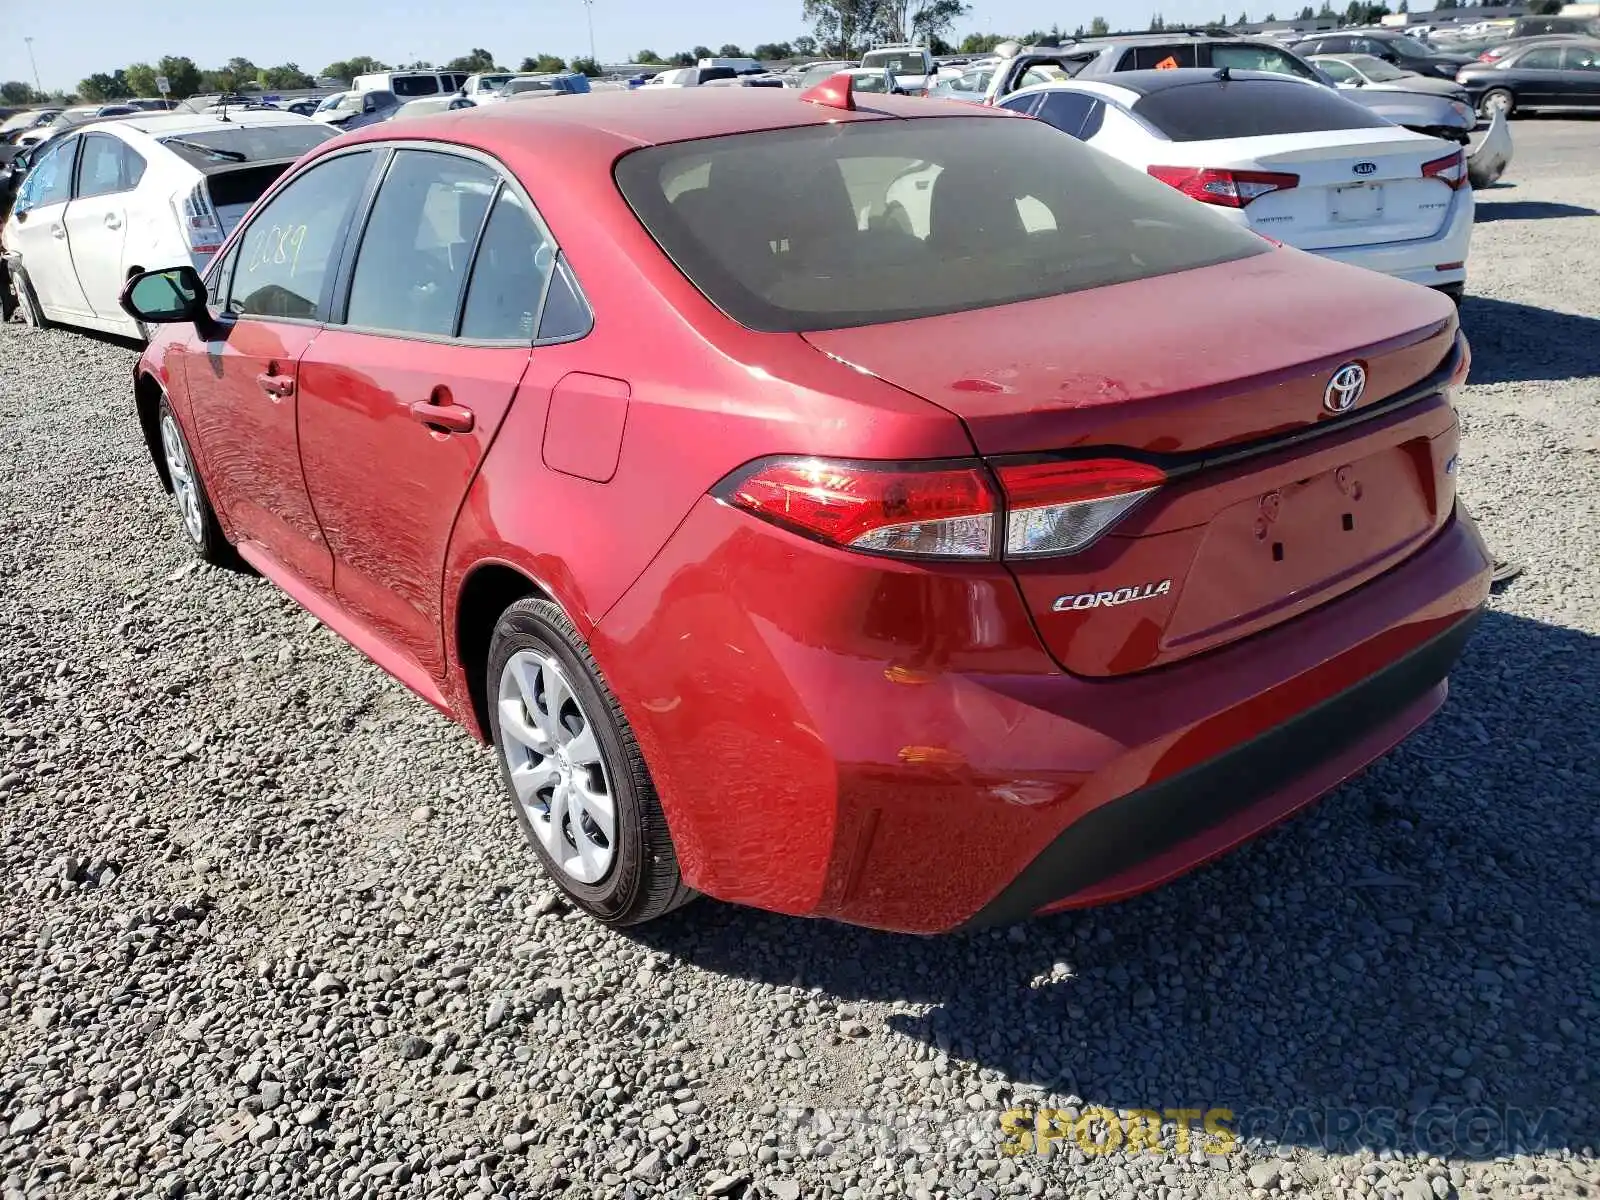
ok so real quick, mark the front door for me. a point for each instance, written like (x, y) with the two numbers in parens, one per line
(1539, 76)
(40, 231)
(244, 391)
(97, 220)
(400, 405)
(1581, 69)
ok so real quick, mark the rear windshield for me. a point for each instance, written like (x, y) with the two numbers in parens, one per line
(1206, 111)
(414, 85)
(857, 223)
(248, 143)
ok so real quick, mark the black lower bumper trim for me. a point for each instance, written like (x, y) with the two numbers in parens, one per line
(1123, 833)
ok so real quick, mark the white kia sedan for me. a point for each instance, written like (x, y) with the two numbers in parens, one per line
(111, 199)
(1295, 162)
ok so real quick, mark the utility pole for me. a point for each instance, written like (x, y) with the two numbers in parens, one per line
(37, 86)
(588, 8)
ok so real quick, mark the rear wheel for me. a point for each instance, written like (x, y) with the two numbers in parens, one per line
(1497, 101)
(576, 779)
(1456, 292)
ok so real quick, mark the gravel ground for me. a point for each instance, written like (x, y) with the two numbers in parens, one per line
(267, 927)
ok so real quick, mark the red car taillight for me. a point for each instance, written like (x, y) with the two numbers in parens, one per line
(944, 510)
(1064, 507)
(1451, 169)
(1230, 189)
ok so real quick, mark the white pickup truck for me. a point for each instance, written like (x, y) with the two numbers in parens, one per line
(913, 66)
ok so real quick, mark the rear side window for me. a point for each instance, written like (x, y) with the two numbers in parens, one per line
(1071, 112)
(414, 254)
(825, 227)
(508, 277)
(1581, 58)
(1541, 58)
(1159, 58)
(107, 165)
(293, 243)
(1259, 58)
(1250, 108)
(411, 86)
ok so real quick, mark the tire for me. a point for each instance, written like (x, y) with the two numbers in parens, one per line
(1497, 100)
(622, 870)
(196, 517)
(1456, 292)
(28, 303)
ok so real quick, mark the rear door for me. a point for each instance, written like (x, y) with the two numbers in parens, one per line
(40, 232)
(97, 220)
(400, 401)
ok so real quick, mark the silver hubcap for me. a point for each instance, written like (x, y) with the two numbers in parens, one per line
(556, 770)
(1498, 102)
(184, 490)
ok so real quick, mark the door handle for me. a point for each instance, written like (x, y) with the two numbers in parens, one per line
(113, 221)
(276, 385)
(59, 232)
(450, 418)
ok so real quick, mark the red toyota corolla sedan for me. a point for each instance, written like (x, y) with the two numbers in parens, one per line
(852, 507)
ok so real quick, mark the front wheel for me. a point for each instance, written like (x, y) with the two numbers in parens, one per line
(188, 490)
(1497, 101)
(577, 782)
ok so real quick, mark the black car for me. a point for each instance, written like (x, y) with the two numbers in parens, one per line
(1564, 74)
(1400, 49)
(1531, 27)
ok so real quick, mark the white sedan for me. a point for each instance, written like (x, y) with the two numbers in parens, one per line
(1294, 162)
(115, 198)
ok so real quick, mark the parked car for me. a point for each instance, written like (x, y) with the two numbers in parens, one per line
(1497, 51)
(485, 88)
(68, 118)
(560, 83)
(687, 77)
(355, 110)
(428, 105)
(106, 201)
(410, 84)
(815, 73)
(1291, 162)
(1541, 75)
(153, 105)
(1396, 48)
(19, 123)
(1435, 116)
(1531, 27)
(949, 575)
(302, 108)
(1366, 71)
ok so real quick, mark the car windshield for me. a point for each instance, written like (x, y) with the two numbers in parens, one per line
(863, 222)
(248, 143)
(1241, 108)
(332, 102)
(1376, 69)
(901, 62)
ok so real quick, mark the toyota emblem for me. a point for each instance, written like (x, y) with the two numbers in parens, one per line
(1344, 390)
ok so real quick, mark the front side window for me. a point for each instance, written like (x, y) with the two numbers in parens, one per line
(1259, 58)
(1338, 71)
(508, 278)
(418, 244)
(828, 227)
(1541, 58)
(107, 165)
(50, 179)
(292, 245)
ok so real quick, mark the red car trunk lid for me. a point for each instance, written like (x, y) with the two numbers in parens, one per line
(1277, 503)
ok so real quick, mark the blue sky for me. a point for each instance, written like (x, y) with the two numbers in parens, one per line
(75, 37)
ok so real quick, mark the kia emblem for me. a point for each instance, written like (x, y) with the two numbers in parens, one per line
(1344, 390)
(1365, 168)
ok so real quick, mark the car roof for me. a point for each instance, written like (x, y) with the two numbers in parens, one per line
(169, 124)
(1147, 83)
(614, 122)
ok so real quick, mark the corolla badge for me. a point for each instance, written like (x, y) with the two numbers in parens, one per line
(1125, 595)
(1345, 388)
(1365, 168)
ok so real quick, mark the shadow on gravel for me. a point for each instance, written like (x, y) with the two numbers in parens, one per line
(1414, 963)
(1530, 210)
(1520, 343)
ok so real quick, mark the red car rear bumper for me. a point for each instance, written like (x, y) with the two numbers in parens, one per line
(841, 736)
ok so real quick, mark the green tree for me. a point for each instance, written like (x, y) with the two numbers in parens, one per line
(543, 64)
(478, 62)
(648, 56)
(100, 87)
(348, 68)
(729, 50)
(14, 91)
(287, 77)
(1098, 27)
(1307, 14)
(183, 77)
(683, 58)
(772, 51)
(587, 66)
(141, 78)
(805, 45)
(1244, 19)
(702, 52)
(981, 43)
(1157, 25)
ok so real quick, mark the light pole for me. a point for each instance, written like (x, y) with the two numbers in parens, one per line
(37, 86)
(588, 9)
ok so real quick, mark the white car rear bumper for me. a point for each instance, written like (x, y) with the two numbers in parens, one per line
(1420, 260)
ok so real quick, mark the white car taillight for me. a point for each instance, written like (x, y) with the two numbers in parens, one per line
(1451, 169)
(1063, 507)
(202, 228)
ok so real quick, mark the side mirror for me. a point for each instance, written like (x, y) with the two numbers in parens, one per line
(167, 297)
